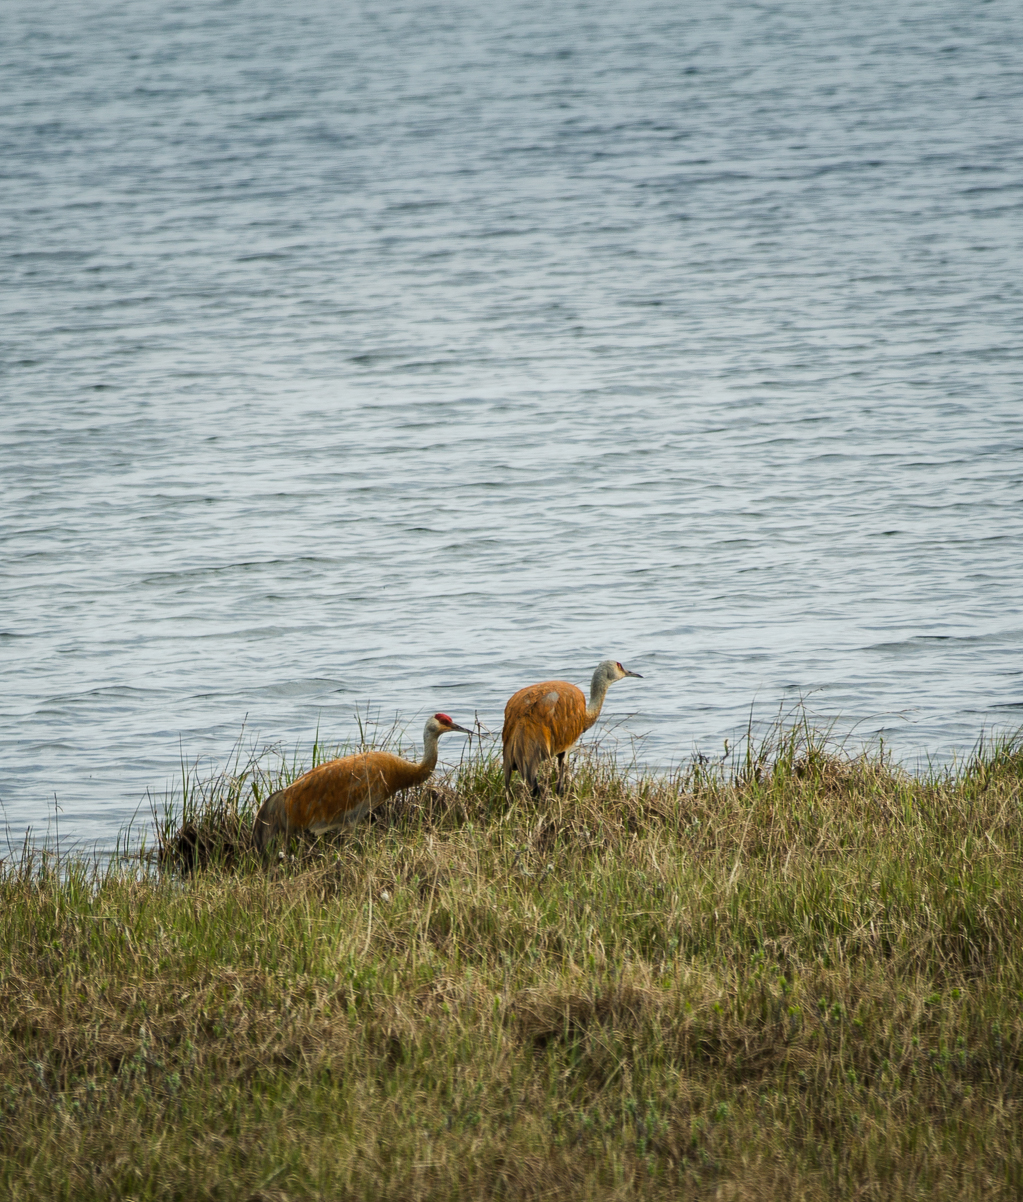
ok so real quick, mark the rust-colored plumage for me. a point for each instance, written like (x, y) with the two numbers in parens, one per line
(545, 720)
(337, 793)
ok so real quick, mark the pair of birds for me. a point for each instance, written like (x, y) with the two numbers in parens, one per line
(540, 721)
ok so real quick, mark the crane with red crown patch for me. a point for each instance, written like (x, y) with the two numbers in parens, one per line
(337, 793)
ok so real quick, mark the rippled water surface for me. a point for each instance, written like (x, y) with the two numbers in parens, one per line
(388, 357)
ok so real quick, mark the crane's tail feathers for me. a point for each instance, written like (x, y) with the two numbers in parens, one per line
(270, 820)
(525, 752)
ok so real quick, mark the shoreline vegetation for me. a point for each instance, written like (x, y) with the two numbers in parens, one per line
(797, 974)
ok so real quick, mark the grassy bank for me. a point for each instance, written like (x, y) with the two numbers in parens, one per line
(798, 978)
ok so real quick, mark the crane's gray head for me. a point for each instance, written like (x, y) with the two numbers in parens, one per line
(611, 670)
(440, 724)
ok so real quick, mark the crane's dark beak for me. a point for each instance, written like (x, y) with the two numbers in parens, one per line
(636, 674)
(455, 726)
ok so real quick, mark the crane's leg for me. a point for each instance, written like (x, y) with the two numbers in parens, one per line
(562, 772)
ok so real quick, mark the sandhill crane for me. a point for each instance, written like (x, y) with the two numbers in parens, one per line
(545, 719)
(337, 793)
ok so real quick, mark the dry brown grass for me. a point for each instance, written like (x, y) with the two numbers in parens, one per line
(798, 979)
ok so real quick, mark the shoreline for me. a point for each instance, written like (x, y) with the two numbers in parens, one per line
(272, 765)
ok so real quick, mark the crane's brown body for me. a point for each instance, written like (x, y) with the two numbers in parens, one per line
(337, 793)
(541, 721)
(545, 720)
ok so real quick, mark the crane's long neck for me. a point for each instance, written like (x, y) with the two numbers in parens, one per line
(429, 761)
(598, 691)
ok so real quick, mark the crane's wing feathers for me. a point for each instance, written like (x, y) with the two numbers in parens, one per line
(335, 793)
(540, 721)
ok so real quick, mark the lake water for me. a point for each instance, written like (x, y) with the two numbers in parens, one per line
(384, 358)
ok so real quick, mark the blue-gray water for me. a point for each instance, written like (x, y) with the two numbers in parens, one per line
(390, 357)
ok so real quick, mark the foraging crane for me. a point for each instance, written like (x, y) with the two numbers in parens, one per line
(544, 720)
(337, 793)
